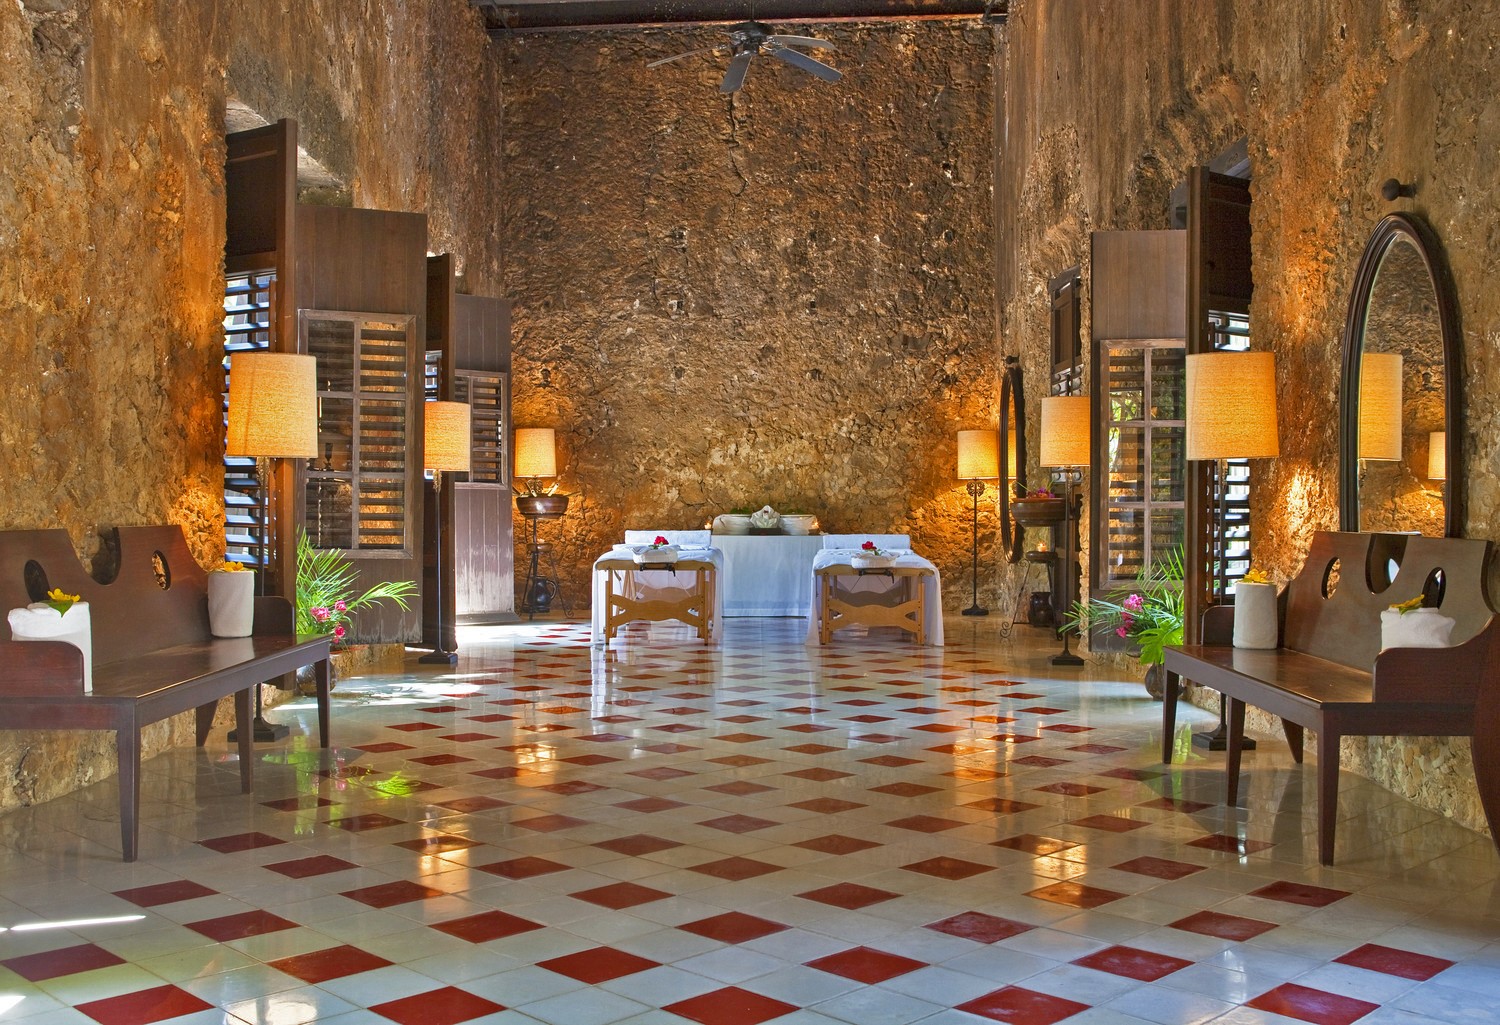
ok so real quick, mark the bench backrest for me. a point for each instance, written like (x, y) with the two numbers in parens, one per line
(1344, 626)
(132, 614)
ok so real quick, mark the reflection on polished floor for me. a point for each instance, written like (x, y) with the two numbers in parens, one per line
(869, 833)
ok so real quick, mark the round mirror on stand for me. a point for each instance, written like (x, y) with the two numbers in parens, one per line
(1012, 456)
(1400, 464)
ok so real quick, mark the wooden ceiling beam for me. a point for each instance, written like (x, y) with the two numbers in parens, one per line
(532, 16)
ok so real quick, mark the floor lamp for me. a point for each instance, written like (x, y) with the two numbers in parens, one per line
(978, 461)
(1065, 446)
(1231, 414)
(446, 444)
(273, 414)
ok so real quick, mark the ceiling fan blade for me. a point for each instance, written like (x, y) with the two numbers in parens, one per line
(803, 41)
(735, 76)
(690, 53)
(806, 63)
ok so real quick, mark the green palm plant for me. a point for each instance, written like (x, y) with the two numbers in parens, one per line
(1149, 614)
(325, 586)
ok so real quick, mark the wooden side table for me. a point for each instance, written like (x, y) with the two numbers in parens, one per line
(695, 608)
(840, 608)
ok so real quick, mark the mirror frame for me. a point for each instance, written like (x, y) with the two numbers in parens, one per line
(1012, 395)
(1391, 229)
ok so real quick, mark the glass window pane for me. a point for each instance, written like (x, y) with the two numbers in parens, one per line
(1125, 543)
(1127, 464)
(1127, 384)
(1167, 473)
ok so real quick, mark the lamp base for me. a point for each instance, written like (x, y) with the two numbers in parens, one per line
(1066, 658)
(262, 731)
(1218, 740)
(439, 658)
(976, 610)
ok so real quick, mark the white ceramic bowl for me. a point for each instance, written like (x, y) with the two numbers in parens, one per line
(732, 523)
(798, 523)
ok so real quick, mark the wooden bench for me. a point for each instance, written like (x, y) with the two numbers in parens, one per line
(153, 654)
(1330, 676)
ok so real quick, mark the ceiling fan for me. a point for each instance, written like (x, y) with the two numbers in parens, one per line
(749, 38)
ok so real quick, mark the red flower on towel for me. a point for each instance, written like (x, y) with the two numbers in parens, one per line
(869, 546)
(660, 541)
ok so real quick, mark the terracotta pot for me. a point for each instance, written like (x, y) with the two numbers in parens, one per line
(1037, 512)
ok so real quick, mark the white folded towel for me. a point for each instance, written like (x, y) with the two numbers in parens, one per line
(41, 622)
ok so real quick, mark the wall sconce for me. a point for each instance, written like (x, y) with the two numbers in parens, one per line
(978, 461)
(1380, 406)
(447, 442)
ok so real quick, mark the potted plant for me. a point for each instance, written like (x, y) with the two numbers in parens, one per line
(1037, 508)
(1148, 615)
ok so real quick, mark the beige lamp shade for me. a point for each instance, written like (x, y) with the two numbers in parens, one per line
(273, 405)
(1231, 406)
(536, 452)
(1065, 430)
(1437, 455)
(445, 436)
(978, 455)
(1380, 406)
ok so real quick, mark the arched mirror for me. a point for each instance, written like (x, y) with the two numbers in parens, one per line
(1012, 455)
(1399, 407)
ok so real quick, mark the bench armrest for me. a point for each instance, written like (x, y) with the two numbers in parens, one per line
(1436, 675)
(40, 667)
(1218, 624)
(273, 615)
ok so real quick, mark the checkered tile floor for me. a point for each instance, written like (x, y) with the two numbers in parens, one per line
(868, 833)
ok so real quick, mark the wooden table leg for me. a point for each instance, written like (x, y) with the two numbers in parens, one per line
(1233, 747)
(1169, 713)
(244, 727)
(1328, 791)
(205, 720)
(825, 593)
(918, 584)
(128, 759)
(324, 683)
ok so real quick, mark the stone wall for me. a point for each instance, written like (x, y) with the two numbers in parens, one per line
(1108, 105)
(781, 296)
(112, 219)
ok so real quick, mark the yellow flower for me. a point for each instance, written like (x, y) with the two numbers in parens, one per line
(1410, 606)
(1255, 576)
(229, 567)
(60, 601)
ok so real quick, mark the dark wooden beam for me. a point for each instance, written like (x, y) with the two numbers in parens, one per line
(530, 16)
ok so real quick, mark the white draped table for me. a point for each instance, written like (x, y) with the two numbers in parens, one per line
(878, 586)
(625, 591)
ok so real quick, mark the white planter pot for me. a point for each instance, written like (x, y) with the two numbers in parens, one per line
(1255, 620)
(231, 603)
(1419, 628)
(41, 622)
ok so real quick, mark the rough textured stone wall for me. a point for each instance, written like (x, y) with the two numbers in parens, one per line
(1107, 105)
(781, 296)
(112, 219)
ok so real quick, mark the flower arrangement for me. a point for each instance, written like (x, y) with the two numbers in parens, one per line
(660, 542)
(1255, 576)
(61, 602)
(1035, 493)
(231, 567)
(1410, 605)
(325, 581)
(870, 548)
(1149, 615)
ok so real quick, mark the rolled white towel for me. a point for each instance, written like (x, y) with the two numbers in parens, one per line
(41, 622)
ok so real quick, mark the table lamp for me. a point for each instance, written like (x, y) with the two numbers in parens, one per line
(1380, 406)
(1231, 414)
(1437, 455)
(978, 461)
(447, 444)
(1065, 446)
(273, 414)
(536, 459)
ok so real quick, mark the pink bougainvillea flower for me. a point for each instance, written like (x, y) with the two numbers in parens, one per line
(1121, 631)
(1134, 603)
(340, 606)
(338, 633)
(320, 614)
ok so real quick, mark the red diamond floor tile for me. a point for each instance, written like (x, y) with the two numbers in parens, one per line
(389, 895)
(945, 867)
(144, 1006)
(647, 805)
(241, 842)
(1225, 927)
(637, 845)
(440, 844)
(52, 964)
(739, 823)
(598, 965)
(306, 868)
(1312, 1005)
(740, 761)
(836, 844)
(730, 1006)
(818, 775)
(363, 823)
(849, 896)
(165, 893)
(1000, 805)
(241, 926)
(1175, 804)
(1076, 895)
(733, 927)
(1015, 1005)
(826, 805)
(925, 823)
(1403, 963)
(332, 963)
(469, 805)
(735, 869)
(1300, 893)
(487, 926)
(1110, 823)
(1158, 868)
(980, 927)
(446, 1006)
(549, 823)
(1230, 844)
(904, 790)
(306, 802)
(620, 895)
(1070, 789)
(865, 964)
(1144, 965)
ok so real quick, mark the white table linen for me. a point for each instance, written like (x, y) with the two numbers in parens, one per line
(767, 575)
(651, 583)
(904, 559)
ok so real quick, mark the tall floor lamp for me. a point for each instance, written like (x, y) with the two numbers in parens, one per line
(1065, 444)
(273, 414)
(1231, 414)
(447, 443)
(978, 461)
